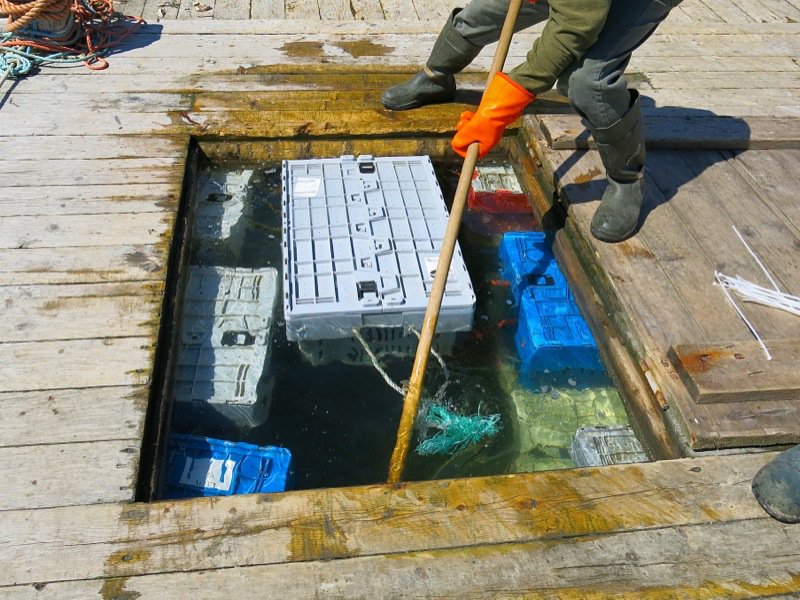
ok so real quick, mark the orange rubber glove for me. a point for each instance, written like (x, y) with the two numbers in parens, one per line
(503, 102)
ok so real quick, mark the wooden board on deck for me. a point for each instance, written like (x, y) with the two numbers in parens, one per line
(660, 284)
(739, 371)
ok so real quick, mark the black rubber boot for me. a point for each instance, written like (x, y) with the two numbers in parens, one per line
(436, 82)
(622, 150)
(777, 486)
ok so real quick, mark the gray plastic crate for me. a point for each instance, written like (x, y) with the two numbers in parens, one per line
(220, 203)
(361, 240)
(598, 446)
(383, 342)
(221, 377)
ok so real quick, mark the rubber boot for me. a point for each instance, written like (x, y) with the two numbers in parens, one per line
(436, 82)
(777, 486)
(622, 150)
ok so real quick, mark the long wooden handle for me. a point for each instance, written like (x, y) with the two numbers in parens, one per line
(411, 400)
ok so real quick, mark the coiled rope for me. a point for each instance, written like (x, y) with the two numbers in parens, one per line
(47, 32)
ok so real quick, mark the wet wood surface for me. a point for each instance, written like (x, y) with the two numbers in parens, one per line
(89, 205)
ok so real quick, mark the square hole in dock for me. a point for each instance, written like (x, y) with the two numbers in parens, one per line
(299, 289)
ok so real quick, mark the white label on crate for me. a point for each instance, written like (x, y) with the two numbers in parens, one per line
(306, 187)
(207, 473)
(431, 262)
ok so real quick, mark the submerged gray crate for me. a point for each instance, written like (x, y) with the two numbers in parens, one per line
(598, 446)
(361, 241)
(383, 342)
(223, 359)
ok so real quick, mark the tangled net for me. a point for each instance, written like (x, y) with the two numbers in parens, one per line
(454, 431)
(46, 32)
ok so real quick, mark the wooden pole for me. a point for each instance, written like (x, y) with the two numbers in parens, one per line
(405, 429)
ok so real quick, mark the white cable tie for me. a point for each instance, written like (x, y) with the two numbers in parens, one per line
(741, 314)
(755, 257)
(751, 292)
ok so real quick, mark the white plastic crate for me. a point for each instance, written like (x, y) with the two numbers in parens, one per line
(220, 203)
(225, 343)
(361, 241)
(599, 446)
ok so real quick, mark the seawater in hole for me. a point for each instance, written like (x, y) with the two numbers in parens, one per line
(332, 409)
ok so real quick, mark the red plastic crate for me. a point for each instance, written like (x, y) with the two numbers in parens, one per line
(495, 189)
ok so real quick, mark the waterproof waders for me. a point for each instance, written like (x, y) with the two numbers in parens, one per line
(622, 150)
(436, 82)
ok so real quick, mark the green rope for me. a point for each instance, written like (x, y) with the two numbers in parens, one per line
(455, 431)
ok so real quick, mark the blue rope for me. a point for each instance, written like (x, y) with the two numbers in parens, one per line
(17, 61)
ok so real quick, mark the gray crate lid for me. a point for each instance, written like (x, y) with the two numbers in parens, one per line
(361, 240)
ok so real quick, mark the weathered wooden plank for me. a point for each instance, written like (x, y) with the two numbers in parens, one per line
(758, 102)
(130, 7)
(789, 10)
(200, 72)
(74, 415)
(412, 25)
(196, 9)
(301, 9)
(27, 366)
(130, 101)
(65, 231)
(739, 371)
(252, 152)
(66, 312)
(83, 171)
(89, 199)
(72, 123)
(432, 9)
(69, 474)
(231, 9)
(728, 11)
(155, 11)
(566, 132)
(774, 176)
(93, 146)
(368, 10)
(699, 561)
(87, 264)
(757, 11)
(710, 64)
(267, 9)
(391, 44)
(214, 533)
(336, 10)
(780, 80)
(700, 12)
(702, 189)
(310, 101)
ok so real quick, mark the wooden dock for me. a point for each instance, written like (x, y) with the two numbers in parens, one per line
(93, 168)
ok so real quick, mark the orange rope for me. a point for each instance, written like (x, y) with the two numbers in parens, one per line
(22, 14)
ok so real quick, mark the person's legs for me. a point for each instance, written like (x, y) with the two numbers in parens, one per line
(598, 91)
(464, 35)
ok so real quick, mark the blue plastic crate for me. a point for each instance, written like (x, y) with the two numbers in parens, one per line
(527, 261)
(202, 466)
(553, 336)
